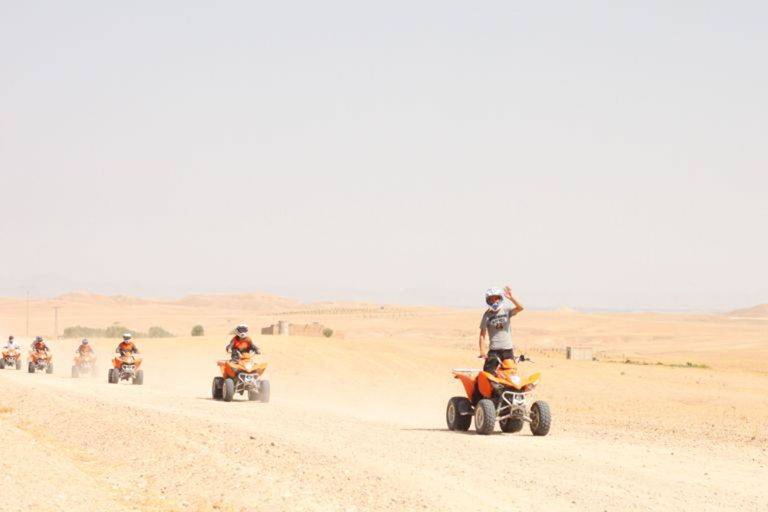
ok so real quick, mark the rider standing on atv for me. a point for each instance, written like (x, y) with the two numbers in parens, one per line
(495, 324)
(241, 342)
(11, 345)
(127, 346)
(39, 345)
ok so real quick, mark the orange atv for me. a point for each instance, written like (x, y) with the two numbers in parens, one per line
(126, 367)
(503, 396)
(11, 358)
(40, 360)
(241, 376)
(84, 364)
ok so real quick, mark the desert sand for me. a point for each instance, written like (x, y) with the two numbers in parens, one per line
(358, 424)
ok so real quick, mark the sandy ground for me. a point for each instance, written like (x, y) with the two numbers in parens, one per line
(357, 424)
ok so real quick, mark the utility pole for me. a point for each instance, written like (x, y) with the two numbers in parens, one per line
(27, 313)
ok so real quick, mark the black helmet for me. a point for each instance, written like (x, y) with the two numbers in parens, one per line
(38, 339)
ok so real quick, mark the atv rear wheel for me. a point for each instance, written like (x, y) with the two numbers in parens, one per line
(49, 368)
(541, 418)
(74, 372)
(511, 425)
(31, 368)
(253, 395)
(458, 414)
(264, 391)
(216, 390)
(228, 390)
(18, 364)
(485, 416)
(138, 379)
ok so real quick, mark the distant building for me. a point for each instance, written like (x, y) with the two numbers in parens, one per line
(283, 328)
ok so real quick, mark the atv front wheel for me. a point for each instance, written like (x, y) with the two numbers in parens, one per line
(112, 376)
(49, 368)
(541, 418)
(31, 368)
(485, 416)
(18, 364)
(74, 372)
(228, 390)
(216, 390)
(264, 391)
(511, 425)
(2, 363)
(139, 378)
(458, 414)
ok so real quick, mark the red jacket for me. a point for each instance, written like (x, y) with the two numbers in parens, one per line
(39, 345)
(241, 345)
(127, 346)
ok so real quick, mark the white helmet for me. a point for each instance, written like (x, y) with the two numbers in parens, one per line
(241, 331)
(84, 342)
(494, 297)
(127, 336)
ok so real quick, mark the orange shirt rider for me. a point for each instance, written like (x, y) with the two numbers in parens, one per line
(84, 349)
(241, 342)
(126, 346)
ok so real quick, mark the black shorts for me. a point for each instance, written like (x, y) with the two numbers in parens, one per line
(491, 363)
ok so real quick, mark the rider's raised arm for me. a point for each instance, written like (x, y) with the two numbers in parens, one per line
(518, 307)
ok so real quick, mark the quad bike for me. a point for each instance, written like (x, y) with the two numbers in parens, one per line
(84, 364)
(40, 360)
(126, 367)
(11, 359)
(503, 396)
(241, 376)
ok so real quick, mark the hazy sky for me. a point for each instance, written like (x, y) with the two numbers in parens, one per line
(594, 154)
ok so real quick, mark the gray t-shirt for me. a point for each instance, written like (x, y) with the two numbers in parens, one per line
(497, 324)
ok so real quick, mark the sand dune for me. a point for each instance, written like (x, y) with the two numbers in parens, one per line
(760, 311)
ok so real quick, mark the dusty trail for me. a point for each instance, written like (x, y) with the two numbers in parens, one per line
(353, 427)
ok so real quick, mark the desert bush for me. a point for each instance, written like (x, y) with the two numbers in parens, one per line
(327, 332)
(158, 332)
(114, 331)
(198, 331)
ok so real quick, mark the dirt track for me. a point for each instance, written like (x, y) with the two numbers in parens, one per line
(358, 425)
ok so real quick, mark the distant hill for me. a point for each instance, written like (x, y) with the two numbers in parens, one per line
(759, 311)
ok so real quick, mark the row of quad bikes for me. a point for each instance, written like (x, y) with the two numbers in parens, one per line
(504, 397)
(242, 376)
(38, 361)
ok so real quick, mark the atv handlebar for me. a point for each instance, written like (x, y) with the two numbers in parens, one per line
(518, 359)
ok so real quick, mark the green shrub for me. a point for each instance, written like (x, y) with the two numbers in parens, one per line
(158, 332)
(114, 331)
(198, 331)
(327, 332)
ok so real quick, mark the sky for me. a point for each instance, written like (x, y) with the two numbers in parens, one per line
(596, 154)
